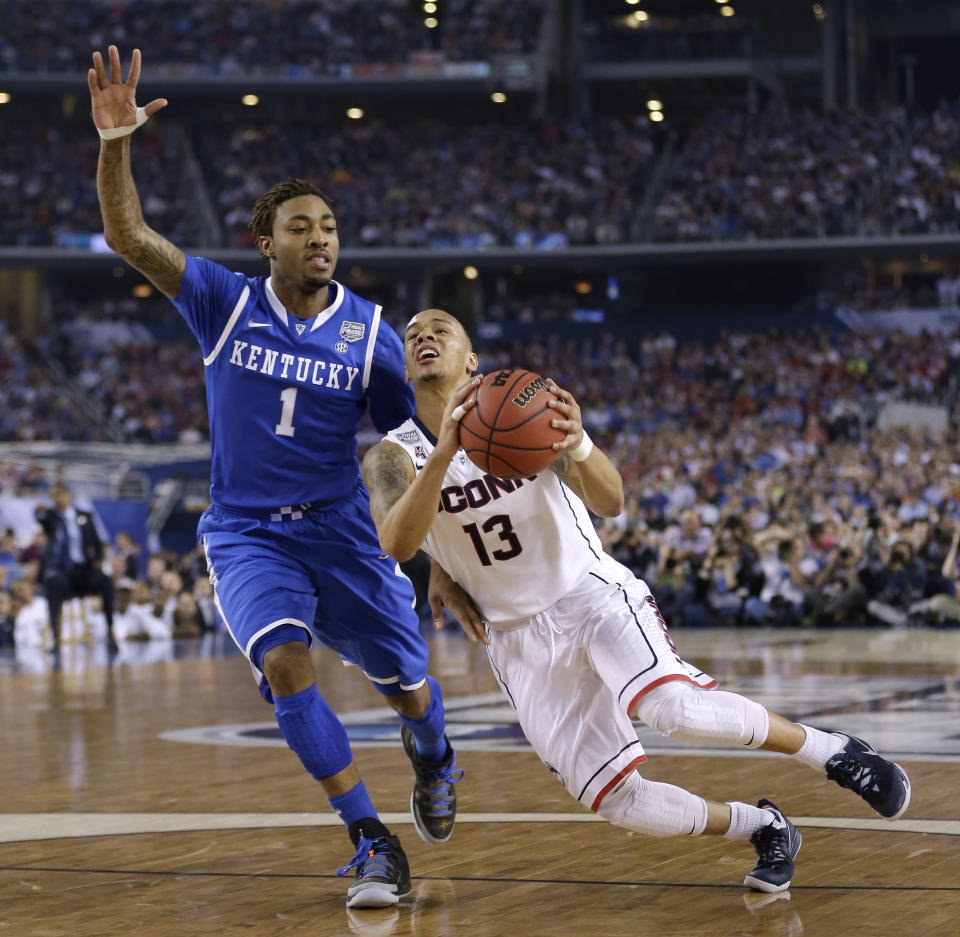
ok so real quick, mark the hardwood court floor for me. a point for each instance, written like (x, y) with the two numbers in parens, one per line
(156, 799)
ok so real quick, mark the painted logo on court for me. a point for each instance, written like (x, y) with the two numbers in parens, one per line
(904, 716)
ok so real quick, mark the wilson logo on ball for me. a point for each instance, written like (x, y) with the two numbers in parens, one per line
(530, 391)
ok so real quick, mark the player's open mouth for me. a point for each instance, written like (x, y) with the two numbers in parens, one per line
(320, 261)
(427, 354)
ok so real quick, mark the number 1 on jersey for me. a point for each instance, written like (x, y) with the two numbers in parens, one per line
(289, 398)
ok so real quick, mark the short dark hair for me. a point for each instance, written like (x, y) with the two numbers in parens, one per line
(265, 207)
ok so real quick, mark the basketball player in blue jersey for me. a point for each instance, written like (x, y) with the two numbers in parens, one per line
(575, 639)
(292, 361)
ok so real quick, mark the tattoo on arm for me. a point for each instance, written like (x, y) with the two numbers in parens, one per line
(387, 473)
(161, 261)
(562, 465)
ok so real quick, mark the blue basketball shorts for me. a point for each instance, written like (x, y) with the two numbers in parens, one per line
(320, 570)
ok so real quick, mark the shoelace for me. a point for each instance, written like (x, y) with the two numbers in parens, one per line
(441, 781)
(773, 844)
(374, 853)
(856, 777)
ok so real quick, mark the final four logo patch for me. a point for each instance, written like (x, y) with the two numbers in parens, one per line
(352, 331)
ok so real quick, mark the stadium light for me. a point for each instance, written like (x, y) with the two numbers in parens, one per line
(4, 97)
(498, 97)
(656, 116)
(727, 11)
(654, 105)
(430, 22)
(251, 100)
(354, 113)
(633, 3)
(471, 273)
(142, 290)
(641, 16)
(429, 8)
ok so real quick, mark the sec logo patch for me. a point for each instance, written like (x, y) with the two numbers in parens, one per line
(340, 347)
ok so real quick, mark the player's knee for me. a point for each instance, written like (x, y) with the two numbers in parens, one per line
(688, 712)
(288, 668)
(622, 799)
(663, 707)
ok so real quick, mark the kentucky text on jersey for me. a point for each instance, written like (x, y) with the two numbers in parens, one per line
(314, 371)
(286, 395)
(478, 492)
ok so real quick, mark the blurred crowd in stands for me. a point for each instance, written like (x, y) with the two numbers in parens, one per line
(424, 182)
(790, 173)
(159, 598)
(429, 183)
(231, 37)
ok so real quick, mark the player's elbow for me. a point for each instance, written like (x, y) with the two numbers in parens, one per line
(608, 499)
(397, 547)
(612, 505)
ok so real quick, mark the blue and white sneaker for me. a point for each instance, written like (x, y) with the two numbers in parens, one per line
(777, 845)
(883, 784)
(381, 873)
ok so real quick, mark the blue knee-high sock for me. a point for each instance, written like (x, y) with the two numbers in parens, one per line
(429, 728)
(318, 737)
(314, 732)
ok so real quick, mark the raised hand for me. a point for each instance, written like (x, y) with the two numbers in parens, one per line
(114, 101)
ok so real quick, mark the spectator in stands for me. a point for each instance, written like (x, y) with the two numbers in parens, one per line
(71, 566)
(127, 550)
(31, 628)
(900, 586)
(188, 621)
(6, 619)
(135, 620)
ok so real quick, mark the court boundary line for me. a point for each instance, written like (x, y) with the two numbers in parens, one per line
(39, 827)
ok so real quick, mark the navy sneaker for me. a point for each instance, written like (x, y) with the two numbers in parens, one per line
(777, 845)
(883, 784)
(433, 802)
(381, 876)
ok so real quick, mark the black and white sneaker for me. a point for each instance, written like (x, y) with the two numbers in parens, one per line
(777, 845)
(382, 874)
(433, 802)
(883, 784)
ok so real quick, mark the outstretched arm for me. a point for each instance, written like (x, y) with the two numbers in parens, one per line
(114, 105)
(594, 478)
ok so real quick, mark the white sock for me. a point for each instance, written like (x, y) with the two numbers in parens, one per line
(818, 748)
(745, 820)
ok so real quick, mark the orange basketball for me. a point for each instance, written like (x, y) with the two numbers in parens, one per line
(508, 432)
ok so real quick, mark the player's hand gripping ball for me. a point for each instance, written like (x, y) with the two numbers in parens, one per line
(508, 432)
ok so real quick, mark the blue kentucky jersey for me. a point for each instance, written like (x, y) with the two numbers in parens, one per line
(286, 395)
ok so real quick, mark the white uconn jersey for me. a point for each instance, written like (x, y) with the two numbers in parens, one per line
(516, 545)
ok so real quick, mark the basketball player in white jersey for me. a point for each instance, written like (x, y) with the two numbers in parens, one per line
(575, 639)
